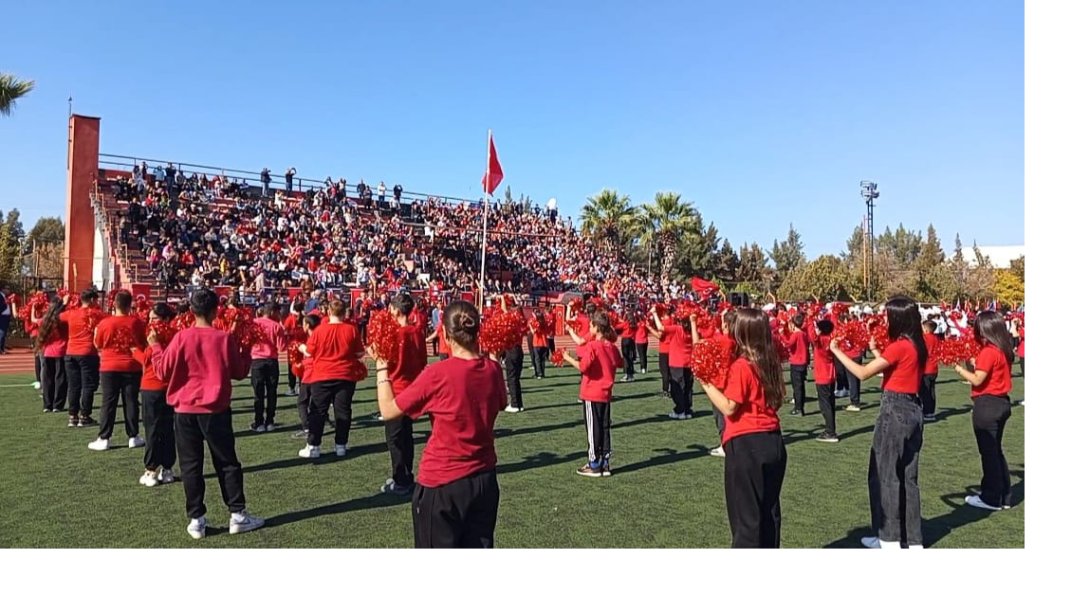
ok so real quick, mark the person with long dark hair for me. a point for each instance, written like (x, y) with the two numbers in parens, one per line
(160, 452)
(457, 497)
(756, 458)
(51, 343)
(893, 476)
(990, 376)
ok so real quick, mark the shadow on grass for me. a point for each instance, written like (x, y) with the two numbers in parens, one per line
(540, 460)
(505, 432)
(376, 501)
(327, 457)
(668, 456)
(937, 528)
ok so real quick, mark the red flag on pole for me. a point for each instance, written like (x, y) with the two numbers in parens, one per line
(702, 286)
(494, 173)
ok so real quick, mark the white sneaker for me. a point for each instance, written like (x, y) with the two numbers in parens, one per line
(196, 527)
(135, 442)
(37, 385)
(270, 427)
(673, 415)
(166, 475)
(511, 409)
(852, 408)
(244, 522)
(148, 479)
(99, 444)
(310, 452)
(718, 452)
(340, 450)
(871, 542)
(292, 392)
(978, 502)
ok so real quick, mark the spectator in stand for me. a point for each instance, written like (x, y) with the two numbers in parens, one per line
(381, 194)
(81, 361)
(397, 193)
(289, 176)
(198, 366)
(116, 337)
(266, 179)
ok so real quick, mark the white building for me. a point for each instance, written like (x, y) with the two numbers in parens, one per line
(1000, 256)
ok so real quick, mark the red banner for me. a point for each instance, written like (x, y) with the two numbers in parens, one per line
(140, 289)
(224, 291)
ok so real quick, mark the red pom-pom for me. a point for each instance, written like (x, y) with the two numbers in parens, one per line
(93, 317)
(710, 360)
(183, 321)
(502, 331)
(879, 331)
(557, 358)
(957, 350)
(576, 305)
(852, 336)
(382, 333)
(164, 331)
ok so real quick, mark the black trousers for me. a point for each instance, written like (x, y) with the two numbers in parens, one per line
(54, 384)
(927, 394)
(990, 415)
(597, 419)
(641, 349)
(628, 351)
(853, 384)
(841, 375)
(460, 514)
(893, 476)
(533, 354)
(126, 387)
(552, 344)
(304, 406)
(798, 387)
(542, 354)
(752, 480)
(38, 366)
(827, 402)
(322, 395)
(399, 440)
(512, 368)
(193, 431)
(264, 377)
(681, 389)
(159, 450)
(82, 374)
(664, 370)
(292, 379)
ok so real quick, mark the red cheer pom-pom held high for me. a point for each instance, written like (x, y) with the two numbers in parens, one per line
(557, 358)
(710, 360)
(382, 332)
(502, 331)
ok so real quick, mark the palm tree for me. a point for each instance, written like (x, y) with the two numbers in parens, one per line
(12, 88)
(609, 217)
(664, 222)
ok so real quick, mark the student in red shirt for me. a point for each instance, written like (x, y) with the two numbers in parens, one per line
(457, 496)
(660, 333)
(160, 453)
(293, 326)
(337, 351)
(628, 345)
(725, 337)
(756, 459)
(198, 366)
(990, 376)
(412, 357)
(51, 343)
(540, 343)
(512, 361)
(265, 366)
(309, 323)
(680, 362)
(856, 355)
(598, 361)
(81, 360)
(115, 338)
(641, 344)
(893, 477)
(443, 350)
(930, 371)
(798, 343)
(825, 379)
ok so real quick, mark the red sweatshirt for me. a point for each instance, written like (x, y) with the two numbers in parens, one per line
(198, 367)
(274, 341)
(598, 362)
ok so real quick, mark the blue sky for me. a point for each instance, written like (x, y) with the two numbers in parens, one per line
(761, 113)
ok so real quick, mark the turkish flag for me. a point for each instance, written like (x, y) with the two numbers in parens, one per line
(494, 173)
(702, 286)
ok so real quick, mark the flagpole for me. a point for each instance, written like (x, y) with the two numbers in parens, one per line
(484, 231)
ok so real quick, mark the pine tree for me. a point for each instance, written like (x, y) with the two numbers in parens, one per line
(728, 261)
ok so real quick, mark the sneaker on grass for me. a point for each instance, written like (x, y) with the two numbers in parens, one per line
(244, 522)
(589, 471)
(165, 476)
(340, 450)
(136, 442)
(978, 502)
(196, 527)
(99, 444)
(148, 479)
(851, 408)
(828, 437)
(310, 452)
(718, 452)
(390, 487)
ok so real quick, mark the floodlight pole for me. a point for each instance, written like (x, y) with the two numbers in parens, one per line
(869, 191)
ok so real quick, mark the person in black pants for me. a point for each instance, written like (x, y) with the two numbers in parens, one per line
(160, 452)
(628, 347)
(265, 368)
(81, 361)
(641, 347)
(798, 343)
(116, 337)
(5, 319)
(664, 356)
(512, 368)
(336, 348)
(51, 340)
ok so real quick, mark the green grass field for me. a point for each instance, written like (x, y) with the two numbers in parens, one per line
(666, 491)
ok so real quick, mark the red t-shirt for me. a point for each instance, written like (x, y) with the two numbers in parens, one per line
(336, 349)
(798, 344)
(149, 382)
(932, 343)
(824, 370)
(641, 333)
(1022, 345)
(681, 347)
(540, 338)
(664, 337)
(997, 382)
(627, 331)
(412, 357)
(126, 330)
(582, 326)
(444, 346)
(81, 339)
(903, 374)
(462, 397)
(598, 363)
(753, 413)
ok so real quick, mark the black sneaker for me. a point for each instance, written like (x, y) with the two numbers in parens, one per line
(47, 410)
(795, 412)
(73, 422)
(87, 421)
(398, 490)
(826, 437)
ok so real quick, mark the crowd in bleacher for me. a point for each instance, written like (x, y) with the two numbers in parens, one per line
(200, 231)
